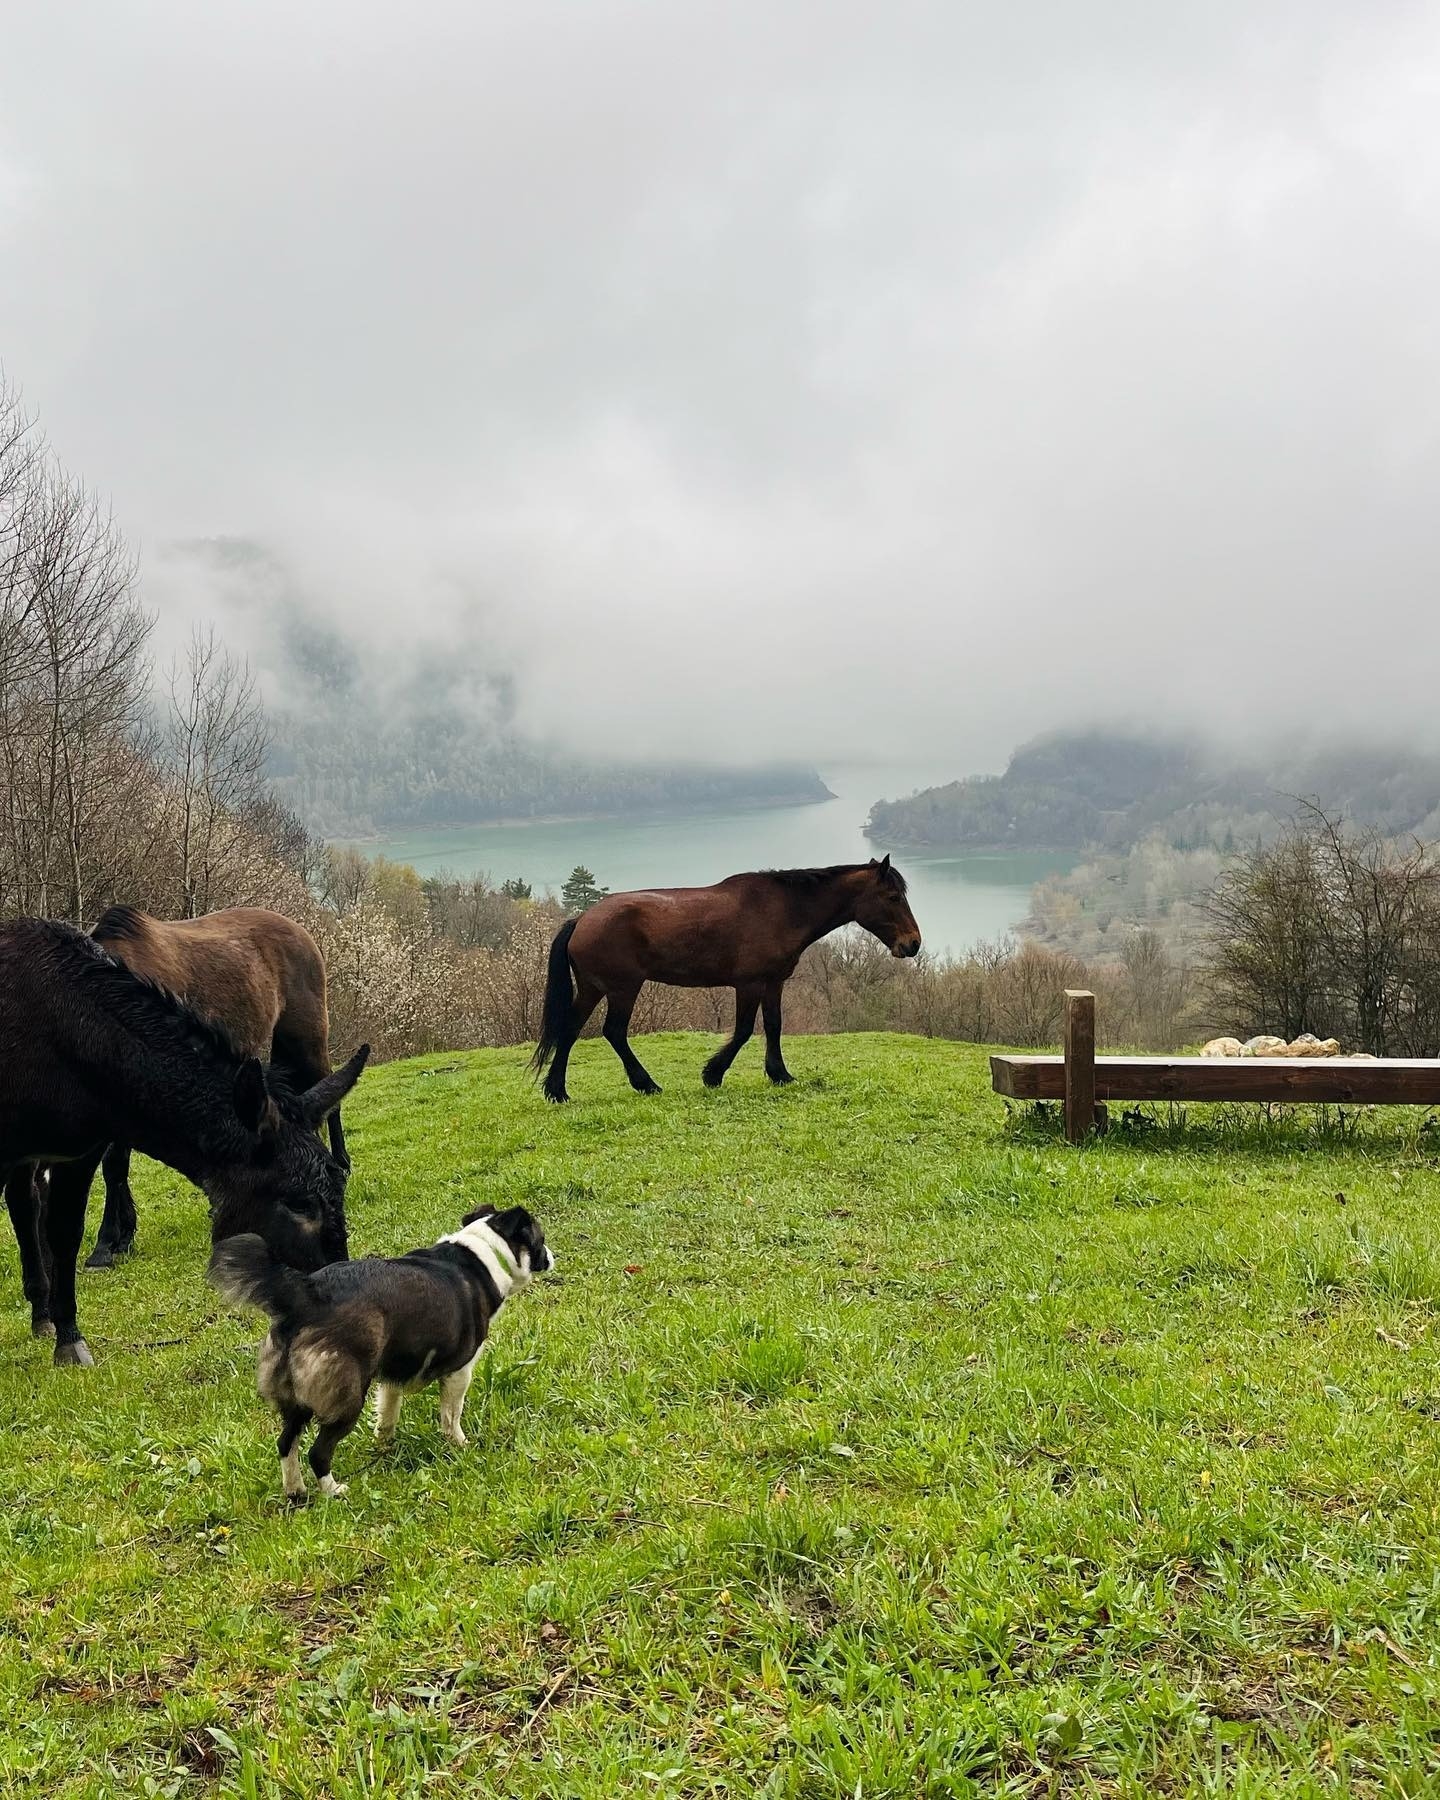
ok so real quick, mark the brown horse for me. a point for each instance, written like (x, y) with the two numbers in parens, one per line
(747, 932)
(257, 975)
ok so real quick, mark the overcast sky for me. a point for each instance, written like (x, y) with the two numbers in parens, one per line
(783, 377)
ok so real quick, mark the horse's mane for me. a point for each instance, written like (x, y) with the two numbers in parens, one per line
(145, 1008)
(119, 922)
(811, 878)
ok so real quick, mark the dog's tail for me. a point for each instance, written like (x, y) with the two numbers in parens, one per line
(245, 1273)
(559, 998)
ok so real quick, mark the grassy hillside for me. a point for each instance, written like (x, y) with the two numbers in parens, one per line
(863, 1445)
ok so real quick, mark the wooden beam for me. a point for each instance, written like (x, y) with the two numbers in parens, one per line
(1291, 1081)
(1079, 1064)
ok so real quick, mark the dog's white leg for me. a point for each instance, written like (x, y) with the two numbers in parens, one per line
(330, 1487)
(453, 1389)
(387, 1410)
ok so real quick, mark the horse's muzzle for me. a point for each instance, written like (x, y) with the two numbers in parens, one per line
(906, 947)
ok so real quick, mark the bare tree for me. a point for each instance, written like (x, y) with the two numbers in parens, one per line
(1333, 931)
(215, 746)
(73, 693)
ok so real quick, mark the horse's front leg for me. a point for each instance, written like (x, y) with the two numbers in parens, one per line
(24, 1197)
(65, 1232)
(774, 1061)
(116, 1236)
(747, 1001)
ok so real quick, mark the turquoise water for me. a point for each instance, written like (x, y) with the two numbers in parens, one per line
(958, 900)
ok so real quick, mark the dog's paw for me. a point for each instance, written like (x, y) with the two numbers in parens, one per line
(331, 1488)
(458, 1438)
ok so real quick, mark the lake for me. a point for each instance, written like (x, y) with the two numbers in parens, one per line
(959, 900)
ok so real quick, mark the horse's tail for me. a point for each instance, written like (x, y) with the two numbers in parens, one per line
(559, 998)
(246, 1274)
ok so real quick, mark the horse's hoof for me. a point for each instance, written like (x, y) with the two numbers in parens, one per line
(559, 1099)
(782, 1079)
(74, 1356)
(101, 1257)
(711, 1077)
(650, 1087)
(42, 1328)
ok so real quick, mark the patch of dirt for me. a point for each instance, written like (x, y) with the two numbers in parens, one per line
(200, 1754)
(319, 1613)
(145, 1686)
(813, 1606)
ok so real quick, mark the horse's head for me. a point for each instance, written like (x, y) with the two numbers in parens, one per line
(289, 1189)
(881, 907)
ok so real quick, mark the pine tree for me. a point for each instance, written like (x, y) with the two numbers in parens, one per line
(581, 890)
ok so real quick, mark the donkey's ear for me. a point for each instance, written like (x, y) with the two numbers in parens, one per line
(317, 1103)
(253, 1105)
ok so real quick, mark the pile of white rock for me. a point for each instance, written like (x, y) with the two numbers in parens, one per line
(1307, 1044)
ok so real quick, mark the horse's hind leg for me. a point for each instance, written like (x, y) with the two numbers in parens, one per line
(774, 1061)
(747, 1001)
(617, 1024)
(65, 1231)
(23, 1198)
(587, 998)
(116, 1236)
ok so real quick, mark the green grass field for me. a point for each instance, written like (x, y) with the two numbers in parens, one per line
(866, 1443)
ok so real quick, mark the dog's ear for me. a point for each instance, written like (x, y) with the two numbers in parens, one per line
(480, 1212)
(514, 1222)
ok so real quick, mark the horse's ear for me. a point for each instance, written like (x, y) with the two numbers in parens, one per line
(885, 863)
(253, 1105)
(317, 1103)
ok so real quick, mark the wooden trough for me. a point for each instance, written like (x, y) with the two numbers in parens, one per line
(1085, 1081)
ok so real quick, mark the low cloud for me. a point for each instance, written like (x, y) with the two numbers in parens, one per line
(749, 381)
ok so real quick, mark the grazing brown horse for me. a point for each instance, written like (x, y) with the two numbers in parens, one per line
(257, 975)
(747, 932)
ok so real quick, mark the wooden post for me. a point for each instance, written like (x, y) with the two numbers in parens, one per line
(1079, 1064)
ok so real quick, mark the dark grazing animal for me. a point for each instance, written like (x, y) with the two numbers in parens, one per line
(747, 932)
(257, 975)
(400, 1322)
(90, 1053)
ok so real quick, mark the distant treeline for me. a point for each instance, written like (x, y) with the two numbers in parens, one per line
(1109, 791)
(346, 778)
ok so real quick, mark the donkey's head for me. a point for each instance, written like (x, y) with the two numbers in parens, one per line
(882, 909)
(288, 1188)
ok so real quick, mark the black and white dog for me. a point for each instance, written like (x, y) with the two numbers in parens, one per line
(400, 1322)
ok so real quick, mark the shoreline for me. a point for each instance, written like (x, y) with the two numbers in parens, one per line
(937, 846)
(640, 815)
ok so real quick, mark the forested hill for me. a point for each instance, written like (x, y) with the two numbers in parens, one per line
(365, 740)
(345, 777)
(1086, 789)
